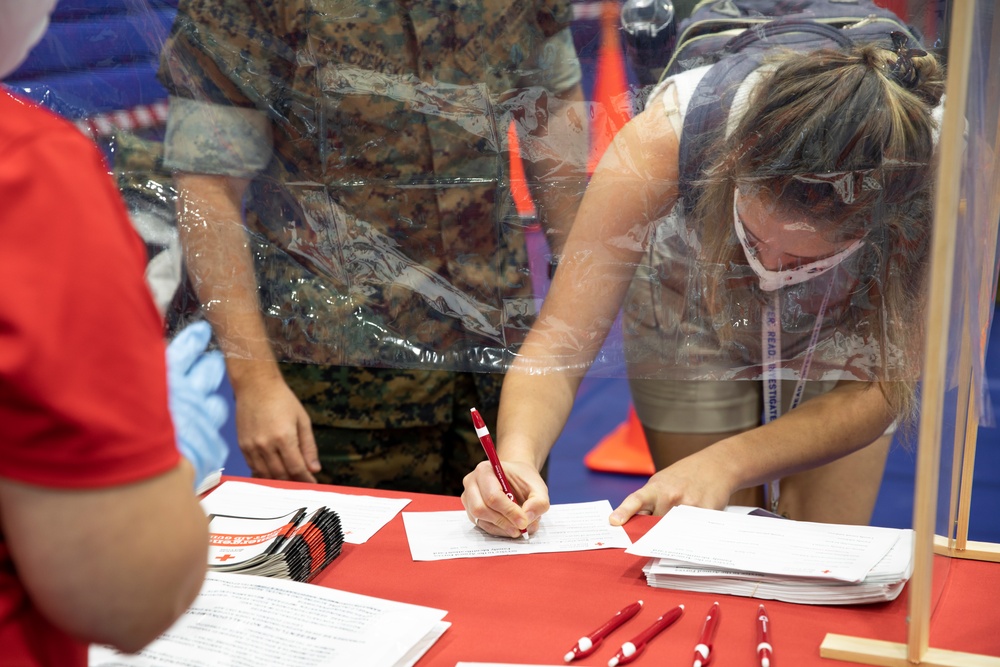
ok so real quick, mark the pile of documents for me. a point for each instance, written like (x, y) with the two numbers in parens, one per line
(261, 622)
(776, 559)
(360, 516)
(287, 533)
(296, 545)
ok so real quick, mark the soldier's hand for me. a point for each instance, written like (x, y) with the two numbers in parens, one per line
(492, 511)
(274, 432)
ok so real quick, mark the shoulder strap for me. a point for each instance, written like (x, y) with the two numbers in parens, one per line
(713, 97)
(707, 111)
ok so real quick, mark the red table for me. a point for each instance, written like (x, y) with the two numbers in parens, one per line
(532, 609)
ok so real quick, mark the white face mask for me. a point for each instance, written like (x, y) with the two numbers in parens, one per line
(22, 24)
(775, 280)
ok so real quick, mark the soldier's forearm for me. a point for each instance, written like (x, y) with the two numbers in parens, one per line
(216, 248)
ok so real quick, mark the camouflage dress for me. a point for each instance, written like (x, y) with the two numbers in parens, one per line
(391, 262)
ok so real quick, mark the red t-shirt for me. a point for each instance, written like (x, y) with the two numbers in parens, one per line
(83, 392)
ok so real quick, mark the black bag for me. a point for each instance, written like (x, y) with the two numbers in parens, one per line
(717, 29)
(734, 36)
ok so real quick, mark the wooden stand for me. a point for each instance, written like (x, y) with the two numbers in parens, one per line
(946, 213)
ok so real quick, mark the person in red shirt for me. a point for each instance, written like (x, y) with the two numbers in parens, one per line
(101, 537)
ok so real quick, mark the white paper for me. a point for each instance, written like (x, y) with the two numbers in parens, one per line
(567, 527)
(712, 538)
(360, 516)
(233, 541)
(210, 482)
(885, 581)
(248, 621)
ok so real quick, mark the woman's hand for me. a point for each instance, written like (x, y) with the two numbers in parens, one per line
(490, 509)
(694, 480)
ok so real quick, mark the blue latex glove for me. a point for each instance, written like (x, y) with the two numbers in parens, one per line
(198, 411)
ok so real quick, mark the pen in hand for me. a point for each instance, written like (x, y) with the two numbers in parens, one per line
(587, 645)
(764, 650)
(631, 650)
(703, 651)
(491, 453)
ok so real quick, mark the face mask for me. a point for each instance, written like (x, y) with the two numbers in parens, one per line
(22, 24)
(775, 280)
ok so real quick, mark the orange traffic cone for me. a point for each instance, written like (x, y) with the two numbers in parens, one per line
(624, 450)
(611, 99)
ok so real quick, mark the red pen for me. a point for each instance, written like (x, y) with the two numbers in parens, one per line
(703, 651)
(587, 645)
(764, 650)
(631, 650)
(491, 453)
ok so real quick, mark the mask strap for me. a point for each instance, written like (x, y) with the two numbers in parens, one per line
(771, 351)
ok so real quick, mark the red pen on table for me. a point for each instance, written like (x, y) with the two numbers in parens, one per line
(491, 453)
(764, 649)
(587, 645)
(631, 650)
(703, 651)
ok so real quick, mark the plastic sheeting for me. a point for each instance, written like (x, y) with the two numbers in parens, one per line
(367, 148)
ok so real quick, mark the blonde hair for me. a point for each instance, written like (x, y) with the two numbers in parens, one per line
(841, 137)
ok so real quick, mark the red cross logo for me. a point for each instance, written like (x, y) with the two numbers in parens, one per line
(225, 557)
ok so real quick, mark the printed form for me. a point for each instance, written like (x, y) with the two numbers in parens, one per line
(730, 541)
(567, 527)
(262, 622)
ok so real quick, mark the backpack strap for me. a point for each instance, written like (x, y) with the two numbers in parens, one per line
(712, 100)
(708, 111)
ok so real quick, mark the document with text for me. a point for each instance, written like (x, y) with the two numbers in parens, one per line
(360, 516)
(568, 527)
(262, 622)
(885, 581)
(711, 538)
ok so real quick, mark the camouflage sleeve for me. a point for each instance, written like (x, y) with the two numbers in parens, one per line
(207, 138)
(227, 52)
(555, 66)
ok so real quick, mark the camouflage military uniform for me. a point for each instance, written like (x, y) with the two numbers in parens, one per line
(392, 267)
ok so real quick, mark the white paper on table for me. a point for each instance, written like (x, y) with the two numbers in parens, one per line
(566, 527)
(253, 621)
(360, 516)
(421, 647)
(884, 582)
(210, 482)
(770, 546)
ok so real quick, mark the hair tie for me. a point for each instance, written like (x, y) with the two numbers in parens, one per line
(903, 70)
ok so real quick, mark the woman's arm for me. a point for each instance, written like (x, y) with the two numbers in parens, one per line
(634, 183)
(823, 429)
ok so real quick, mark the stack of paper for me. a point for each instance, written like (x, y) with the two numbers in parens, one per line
(793, 561)
(297, 545)
(260, 622)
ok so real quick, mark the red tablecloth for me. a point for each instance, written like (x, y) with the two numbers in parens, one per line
(532, 609)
